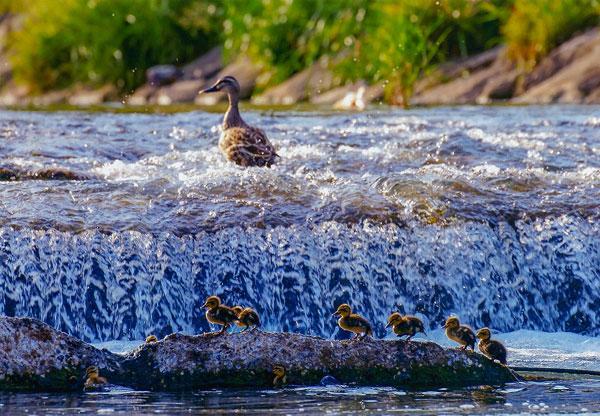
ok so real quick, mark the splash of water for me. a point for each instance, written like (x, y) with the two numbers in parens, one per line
(538, 275)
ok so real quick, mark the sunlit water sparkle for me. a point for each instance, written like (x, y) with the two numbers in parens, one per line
(489, 213)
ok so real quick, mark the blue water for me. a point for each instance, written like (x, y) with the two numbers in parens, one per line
(565, 397)
(116, 226)
(488, 213)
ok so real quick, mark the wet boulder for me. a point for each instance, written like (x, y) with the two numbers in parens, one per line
(34, 356)
(246, 360)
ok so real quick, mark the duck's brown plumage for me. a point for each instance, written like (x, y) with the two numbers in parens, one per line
(93, 380)
(460, 333)
(353, 322)
(219, 314)
(239, 142)
(405, 325)
(249, 317)
(492, 348)
(280, 376)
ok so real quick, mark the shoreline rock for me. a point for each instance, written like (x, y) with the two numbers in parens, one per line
(36, 357)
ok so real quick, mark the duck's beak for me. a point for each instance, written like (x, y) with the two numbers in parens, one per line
(204, 306)
(211, 89)
(335, 313)
(388, 325)
(445, 326)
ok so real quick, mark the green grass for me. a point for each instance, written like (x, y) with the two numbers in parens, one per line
(534, 27)
(395, 42)
(64, 42)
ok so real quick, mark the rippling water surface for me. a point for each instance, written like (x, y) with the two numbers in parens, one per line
(490, 213)
(566, 397)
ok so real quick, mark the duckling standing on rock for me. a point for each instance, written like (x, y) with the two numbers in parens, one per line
(407, 325)
(280, 376)
(219, 314)
(240, 143)
(246, 318)
(352, 322)
(460, 333)
(492, 348)
(93, 380)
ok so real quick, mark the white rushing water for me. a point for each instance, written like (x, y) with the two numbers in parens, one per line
(489, 213)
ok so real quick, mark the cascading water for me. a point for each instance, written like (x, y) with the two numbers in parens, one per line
(490, 214)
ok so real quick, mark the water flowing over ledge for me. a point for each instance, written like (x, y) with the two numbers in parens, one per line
(540, 274)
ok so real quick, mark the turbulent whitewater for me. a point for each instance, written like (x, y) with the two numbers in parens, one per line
(488, 213)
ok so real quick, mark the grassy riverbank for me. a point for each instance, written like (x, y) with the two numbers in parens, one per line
(95, 42)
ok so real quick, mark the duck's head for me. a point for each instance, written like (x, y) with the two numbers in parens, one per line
(394, 319)
(343, 310)
(226, 84)
(212, 303)
(92, 371)
(484, 334)
(151, 338)
(279, 370)
(237, 309)
(452, 322)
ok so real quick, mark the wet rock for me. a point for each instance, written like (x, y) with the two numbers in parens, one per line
(496, 81)
(178, 92)
(301, 86)
(246, 360)
(34, 356)
(142, 95)
(205, 67)
(7, 174)
(163, 74)
(85, 97)
(562, 56)
(568, 75)
(244, 70)
(14, 94)
(57, 174)
(188, 82)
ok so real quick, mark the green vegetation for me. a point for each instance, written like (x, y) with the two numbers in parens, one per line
(64, 42)
(534, 27)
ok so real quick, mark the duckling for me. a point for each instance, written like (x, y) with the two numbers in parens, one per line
(93, 380)
(492, 348)
(151, 338)
(280, 376)
(460, 333)
(238, 309)
(352, 322)
(246, 318)
(239, 142)
(407, 325)
(219, 314)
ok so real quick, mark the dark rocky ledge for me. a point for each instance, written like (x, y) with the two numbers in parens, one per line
(33, 356)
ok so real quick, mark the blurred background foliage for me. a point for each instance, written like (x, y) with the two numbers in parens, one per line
(63, 42)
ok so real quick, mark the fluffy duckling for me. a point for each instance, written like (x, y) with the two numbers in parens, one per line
(407, 325)
(280, 376)
(151, 338)
(492, 348)
(239, 142)
(93, 380)
(246, 318)
(352, 322)
(219, 314)
(460, 333)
